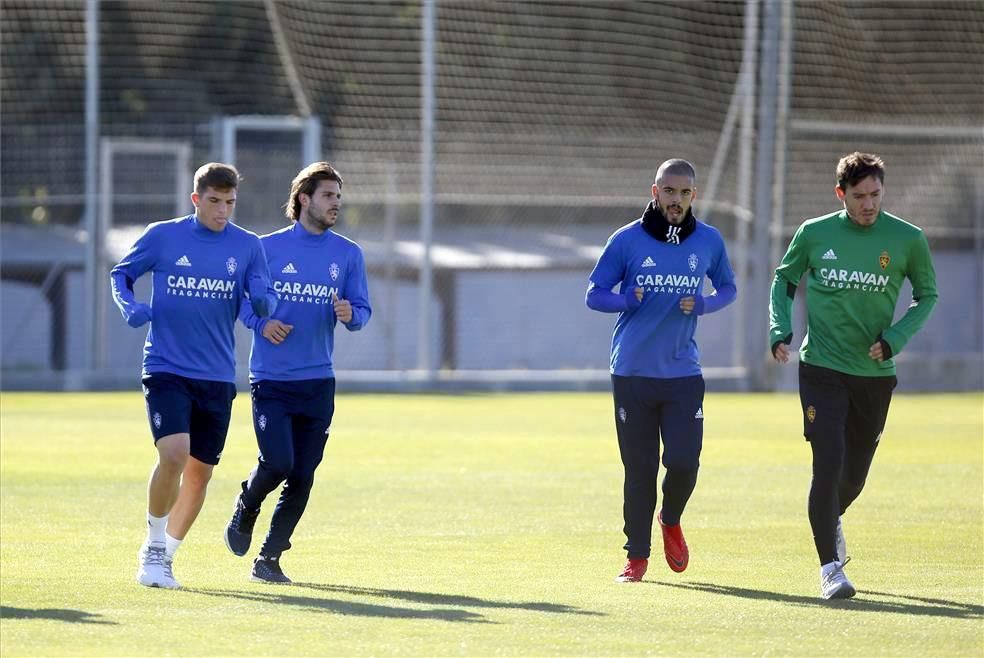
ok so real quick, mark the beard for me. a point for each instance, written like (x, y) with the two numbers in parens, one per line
(678, 214)
(324, 221)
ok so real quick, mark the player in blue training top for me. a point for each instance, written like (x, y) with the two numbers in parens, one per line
(659, 263)
(203, 266)
(320, 278)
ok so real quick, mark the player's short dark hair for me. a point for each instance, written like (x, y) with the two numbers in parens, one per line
(854, 168)
(217, 175)
(676, 167)
(306, 182)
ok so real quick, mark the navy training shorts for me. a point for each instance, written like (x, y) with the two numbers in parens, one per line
(199, 407)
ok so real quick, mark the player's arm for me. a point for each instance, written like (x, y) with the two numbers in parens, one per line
(272, 329)
(262, 296)
(250, 319)
(781, 295)
(922, 275)
(725, 291)
(134, 264)
(603, 299)
(608, 272)
(723, 294)
(353, 309)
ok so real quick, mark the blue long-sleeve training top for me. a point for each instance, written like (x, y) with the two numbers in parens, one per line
(307, 269)
(655, 338)
(200, 278)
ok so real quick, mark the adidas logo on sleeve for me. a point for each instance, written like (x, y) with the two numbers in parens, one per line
(289, 269)
(830, 255)
(183, 262)
(649, 262)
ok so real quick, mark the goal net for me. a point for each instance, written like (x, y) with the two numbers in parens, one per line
(550, 120)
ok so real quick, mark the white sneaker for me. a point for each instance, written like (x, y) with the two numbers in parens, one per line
(150, 572)
(169, 581)
(833, 583)
(841, 543)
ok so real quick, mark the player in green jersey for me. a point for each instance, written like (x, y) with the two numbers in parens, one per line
(855, 261)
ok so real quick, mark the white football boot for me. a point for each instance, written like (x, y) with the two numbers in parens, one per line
(169, 581)
(150, 572)
(833, 583)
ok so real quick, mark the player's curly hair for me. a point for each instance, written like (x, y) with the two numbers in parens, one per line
(306, 182)
(854, 168)
(219, 176)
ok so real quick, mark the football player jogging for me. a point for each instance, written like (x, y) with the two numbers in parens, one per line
(320, 277)
(659, 263)
(855, 261)
(202, 266)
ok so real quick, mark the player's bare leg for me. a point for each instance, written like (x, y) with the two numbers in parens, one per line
(162, 492)
(165, 479)
(191, 497)
(188, 503)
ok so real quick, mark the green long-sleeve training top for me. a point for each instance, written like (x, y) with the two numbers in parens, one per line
(854, 274)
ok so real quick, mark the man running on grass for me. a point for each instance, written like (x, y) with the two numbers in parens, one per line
(204, 267)
(855, 261)
(321, 279)
(660, 262)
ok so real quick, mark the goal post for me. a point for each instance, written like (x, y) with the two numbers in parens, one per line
(546, 125)
(227, 129)
(110, 150)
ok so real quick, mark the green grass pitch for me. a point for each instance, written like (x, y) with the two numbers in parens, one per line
(487, 525)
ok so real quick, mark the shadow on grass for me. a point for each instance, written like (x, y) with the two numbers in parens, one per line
(58, 614)
(279, 594)
(906, 605)
(448, 599)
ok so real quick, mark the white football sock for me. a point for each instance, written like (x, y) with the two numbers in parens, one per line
(171, 545)
(155, 528)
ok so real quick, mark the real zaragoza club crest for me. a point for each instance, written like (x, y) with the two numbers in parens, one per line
(883, 260)
(333, 271)
(231, 266)
(811, 413)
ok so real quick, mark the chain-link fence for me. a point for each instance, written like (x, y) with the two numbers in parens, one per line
(549, 122)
